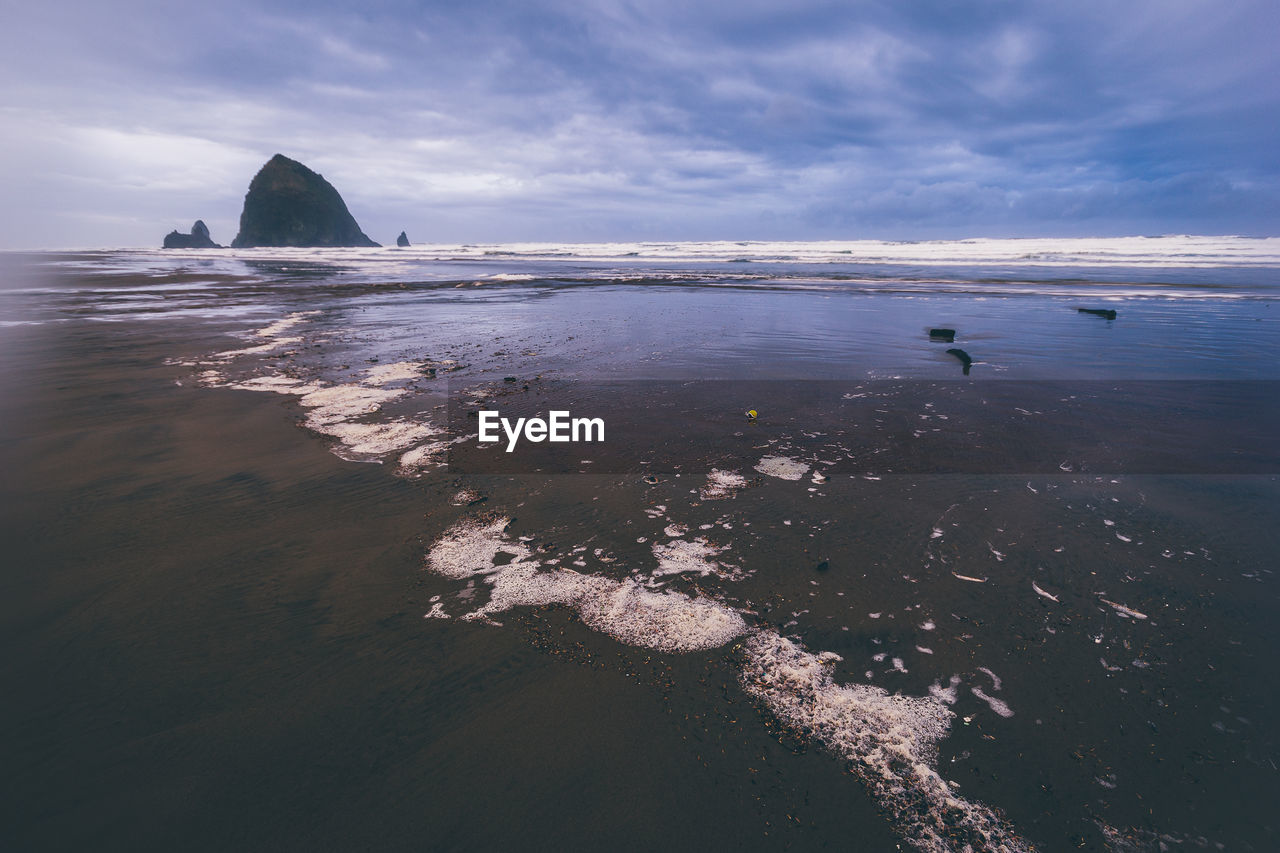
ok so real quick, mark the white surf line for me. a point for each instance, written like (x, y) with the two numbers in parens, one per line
(890, 741)
(970, 579)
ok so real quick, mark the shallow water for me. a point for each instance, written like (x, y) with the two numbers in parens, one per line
(1061, 561)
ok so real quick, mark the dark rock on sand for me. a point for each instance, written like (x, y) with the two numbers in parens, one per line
(198, 238)
(403, 240)
(290, 205)
(947, 335)
(1109, 313)
(964, 358)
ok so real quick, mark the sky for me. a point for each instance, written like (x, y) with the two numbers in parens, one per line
(600, 120)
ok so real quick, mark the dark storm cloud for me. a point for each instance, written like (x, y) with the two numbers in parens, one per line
(615, 120)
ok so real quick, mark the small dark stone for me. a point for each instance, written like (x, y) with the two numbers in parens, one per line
(964, 358)
(947, 335)
(1109, 313)
(198, 238)
(822, 567)
(509, 379)
(403, 240)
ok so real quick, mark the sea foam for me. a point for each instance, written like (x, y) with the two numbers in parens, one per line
(335, 408)
(890, 741)
(623, 609)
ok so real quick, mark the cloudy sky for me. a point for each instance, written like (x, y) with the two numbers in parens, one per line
(646, 119)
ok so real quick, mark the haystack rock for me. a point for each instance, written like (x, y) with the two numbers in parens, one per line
(198, 238)
(290, 205)
(403, 240)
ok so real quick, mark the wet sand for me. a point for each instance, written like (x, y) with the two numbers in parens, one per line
(216, 642)
(218, 619)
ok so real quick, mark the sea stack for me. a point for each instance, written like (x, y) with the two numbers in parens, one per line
(403, 240)
(198, 238)
(290, 205)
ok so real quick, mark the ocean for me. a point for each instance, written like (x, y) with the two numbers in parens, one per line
(942, 546)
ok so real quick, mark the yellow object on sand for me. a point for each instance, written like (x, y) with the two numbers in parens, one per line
(751, 413)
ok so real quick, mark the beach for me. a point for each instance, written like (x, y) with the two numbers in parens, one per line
(267, 591)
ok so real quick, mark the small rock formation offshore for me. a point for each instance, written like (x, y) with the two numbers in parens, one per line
(1108, 313)
(290, 205)
(198, 238)
(403, 240)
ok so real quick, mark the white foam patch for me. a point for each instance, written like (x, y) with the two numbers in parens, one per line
(626, 611)
(273, 334)
(335, 408)
(401, 371)
(284, 324)
(782, 467)
(666, 621)
(260, 348)
(469, 548)
(362, 441)
(996, 705)
(722, 484)
(889, 740)
(945, 694)
(1042, 593)
(678, 557)
(423, 455)
(340, 402)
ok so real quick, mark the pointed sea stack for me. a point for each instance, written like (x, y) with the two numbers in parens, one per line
(403, 240)
(290, 205)
(198, 238)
